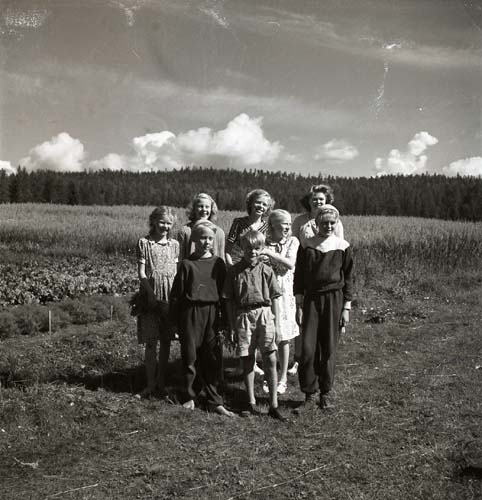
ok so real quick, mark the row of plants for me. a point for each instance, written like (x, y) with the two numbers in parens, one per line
(41, 281)
(34, 319)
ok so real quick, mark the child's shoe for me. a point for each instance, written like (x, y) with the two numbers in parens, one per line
(258, 370)
(326, 403)
(265, 386)
(282, 386)
(309, 404)
(276, 414)
(250, 411)
(189, 405)
(294, 369)
(165, 398)
(145, 394)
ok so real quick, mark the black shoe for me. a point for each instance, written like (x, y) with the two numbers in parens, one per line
(309, 404)
(325, 403)
(275, 413)
(250, 411)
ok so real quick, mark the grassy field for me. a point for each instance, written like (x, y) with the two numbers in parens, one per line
(408, 389)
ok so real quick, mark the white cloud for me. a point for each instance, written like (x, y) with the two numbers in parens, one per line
(336, 150)
(151, 147)
(112, 161)
(465, 167)
(62, 153)
(420, 142)
(408, 162)
(242, 143)
(7, 166)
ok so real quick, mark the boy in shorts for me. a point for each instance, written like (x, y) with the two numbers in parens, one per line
(251, 292)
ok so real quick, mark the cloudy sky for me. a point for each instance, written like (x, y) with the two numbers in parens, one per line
(341, 87)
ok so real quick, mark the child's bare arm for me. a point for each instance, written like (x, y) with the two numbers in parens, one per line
(231, 318)
(345, 317)
(289, 263)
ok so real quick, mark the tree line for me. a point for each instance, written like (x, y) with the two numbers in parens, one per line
(435, 196)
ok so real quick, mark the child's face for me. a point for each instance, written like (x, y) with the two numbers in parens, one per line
(204, 240)
(162, 225)
(260, 205)
(317, 200)
(251, 253)
(326, 224)
(280, 229)
(202, 209)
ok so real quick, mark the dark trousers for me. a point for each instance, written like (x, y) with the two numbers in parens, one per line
(320, 334)
(200, 350)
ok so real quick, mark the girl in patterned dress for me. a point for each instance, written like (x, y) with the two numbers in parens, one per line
(202, 208)
(157, 258)
(282, 248)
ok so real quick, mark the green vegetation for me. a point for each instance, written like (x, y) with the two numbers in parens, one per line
(408, 387)
(49, 252)
(417, 195)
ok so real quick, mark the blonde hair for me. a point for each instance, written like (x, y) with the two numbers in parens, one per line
(279, 214)
(198, 226)
(158, 213)
(252, 238)
(326, 209)
(191, 209)
(254, 195)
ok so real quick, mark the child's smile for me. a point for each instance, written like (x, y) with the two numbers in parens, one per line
(326, 224)
(281, 230)
(202, 210)
(162, 225)
(251, 255)
(317, 200)
(260, 205)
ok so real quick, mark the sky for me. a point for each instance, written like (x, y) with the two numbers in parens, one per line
(334, 87)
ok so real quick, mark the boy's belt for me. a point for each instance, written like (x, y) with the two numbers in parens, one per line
(250, 307)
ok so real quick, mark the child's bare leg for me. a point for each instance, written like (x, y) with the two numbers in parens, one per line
(269, 361)
(294, 369)
(164, 348)
(284, 356)
(150, 362)
(248, 372)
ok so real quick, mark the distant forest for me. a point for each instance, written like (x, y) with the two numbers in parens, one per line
(434, 196)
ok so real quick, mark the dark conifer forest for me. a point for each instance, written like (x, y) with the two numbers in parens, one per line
(436, 196)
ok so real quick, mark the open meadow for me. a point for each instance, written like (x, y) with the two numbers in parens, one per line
(408, 417)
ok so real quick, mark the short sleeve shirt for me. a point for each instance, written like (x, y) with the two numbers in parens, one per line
(250, 286)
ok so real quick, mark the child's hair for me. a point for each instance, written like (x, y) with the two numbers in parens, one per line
(326, 209)
(191, 209)
(198, 226)
(319, 188)
(252, 238)
(159, 212)
(278, 215)
(254, 195)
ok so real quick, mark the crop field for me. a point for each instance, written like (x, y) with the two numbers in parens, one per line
(407, 422)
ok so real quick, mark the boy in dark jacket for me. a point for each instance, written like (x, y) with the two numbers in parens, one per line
(323, 291)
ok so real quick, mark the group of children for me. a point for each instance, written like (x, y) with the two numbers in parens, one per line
(260, 282)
